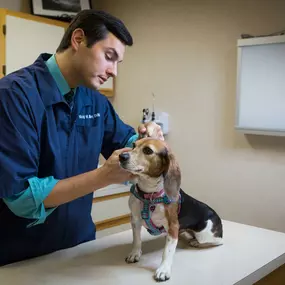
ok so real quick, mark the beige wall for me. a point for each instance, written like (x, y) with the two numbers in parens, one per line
(185, 52)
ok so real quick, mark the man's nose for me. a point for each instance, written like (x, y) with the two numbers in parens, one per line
(113, 70)
(124, 156)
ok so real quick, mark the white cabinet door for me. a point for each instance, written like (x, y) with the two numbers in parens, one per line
(26, 39)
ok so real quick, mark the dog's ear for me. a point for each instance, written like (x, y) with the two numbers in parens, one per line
(172, 174)
(165, 161)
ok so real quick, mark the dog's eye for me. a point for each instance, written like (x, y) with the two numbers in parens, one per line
(147, 150)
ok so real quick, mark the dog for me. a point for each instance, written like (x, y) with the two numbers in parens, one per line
(158, 203)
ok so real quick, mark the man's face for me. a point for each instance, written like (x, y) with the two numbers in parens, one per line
(96, 64)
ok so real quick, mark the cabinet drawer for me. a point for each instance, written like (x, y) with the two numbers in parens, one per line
(108, 209)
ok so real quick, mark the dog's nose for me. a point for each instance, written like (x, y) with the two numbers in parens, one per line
(124, 156)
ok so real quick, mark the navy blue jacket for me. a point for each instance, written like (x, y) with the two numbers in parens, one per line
(40, 136)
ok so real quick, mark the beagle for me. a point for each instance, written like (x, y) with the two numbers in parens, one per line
(158, 203)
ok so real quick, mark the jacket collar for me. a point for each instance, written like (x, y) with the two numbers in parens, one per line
(48, 88)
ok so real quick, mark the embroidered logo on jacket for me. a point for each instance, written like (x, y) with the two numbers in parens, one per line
(89, 116)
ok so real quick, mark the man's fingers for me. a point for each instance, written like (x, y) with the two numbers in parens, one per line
(142, 128)
(150, 129)
(118, 151)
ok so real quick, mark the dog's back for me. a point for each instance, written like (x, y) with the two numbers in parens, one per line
(197, 217)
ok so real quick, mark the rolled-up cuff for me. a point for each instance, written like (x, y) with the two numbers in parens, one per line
(29, 203)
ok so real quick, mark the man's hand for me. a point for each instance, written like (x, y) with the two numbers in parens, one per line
(112, 169)
(150, 129)
(71, 188)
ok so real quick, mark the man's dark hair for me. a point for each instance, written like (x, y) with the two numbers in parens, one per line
(96, 26)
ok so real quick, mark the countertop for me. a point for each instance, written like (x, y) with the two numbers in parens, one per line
(248, 254)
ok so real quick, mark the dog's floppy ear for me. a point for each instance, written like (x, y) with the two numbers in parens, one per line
(172, 174)
(164, 156)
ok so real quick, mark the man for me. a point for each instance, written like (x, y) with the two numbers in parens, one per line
(54, 125)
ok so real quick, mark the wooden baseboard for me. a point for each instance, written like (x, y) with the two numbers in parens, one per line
(109, 197)
(113, 222)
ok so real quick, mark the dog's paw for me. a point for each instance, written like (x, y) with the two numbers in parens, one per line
(134, 256)
(162, 273)
(194, 243)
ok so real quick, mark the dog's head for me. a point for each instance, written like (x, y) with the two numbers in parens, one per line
(152, 158)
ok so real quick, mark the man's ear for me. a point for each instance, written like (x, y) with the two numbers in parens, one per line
(77, 38)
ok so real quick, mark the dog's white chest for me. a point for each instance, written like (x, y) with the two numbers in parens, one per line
(158, 215)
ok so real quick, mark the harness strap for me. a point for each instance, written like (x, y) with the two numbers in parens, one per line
(148, 205)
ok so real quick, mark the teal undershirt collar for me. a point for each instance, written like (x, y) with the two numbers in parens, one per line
(57, 75)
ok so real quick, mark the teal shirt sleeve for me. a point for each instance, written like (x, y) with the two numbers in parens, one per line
(29, 203)
(131, 140)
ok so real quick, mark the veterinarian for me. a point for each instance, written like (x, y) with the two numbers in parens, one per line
(54, 125)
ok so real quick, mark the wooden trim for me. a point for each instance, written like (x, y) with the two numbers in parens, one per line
(113, 222)
(37, 18)
(110, 197)
(2, 41)
(274, 278)
(108, 92)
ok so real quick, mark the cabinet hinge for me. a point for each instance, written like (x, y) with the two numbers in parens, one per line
(4, 69)
(4, 29)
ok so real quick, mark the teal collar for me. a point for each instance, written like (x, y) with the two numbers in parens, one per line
(57, 75)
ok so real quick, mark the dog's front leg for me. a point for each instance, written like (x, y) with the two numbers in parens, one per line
(164, 271)
(136, 222)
